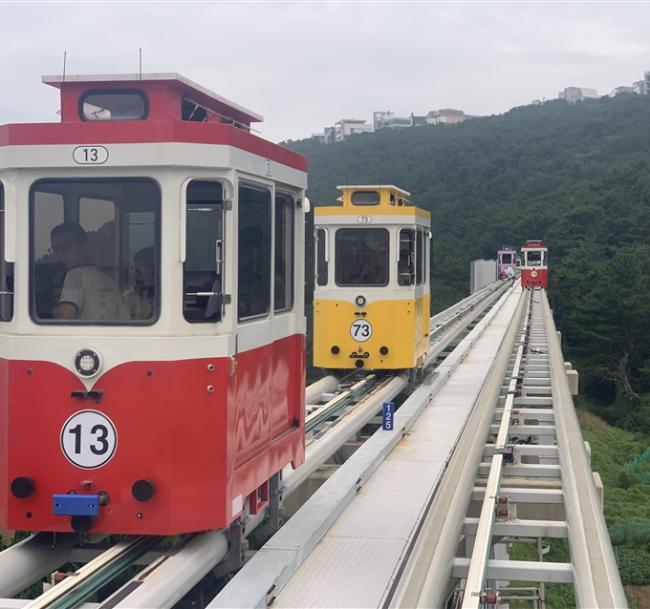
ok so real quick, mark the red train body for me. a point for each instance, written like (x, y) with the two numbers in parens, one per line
(534, 265)
(164, 401)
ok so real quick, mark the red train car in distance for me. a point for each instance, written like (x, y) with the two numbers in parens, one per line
(534, 265)
(152, 330)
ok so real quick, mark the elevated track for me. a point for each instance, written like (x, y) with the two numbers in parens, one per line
(486, 454)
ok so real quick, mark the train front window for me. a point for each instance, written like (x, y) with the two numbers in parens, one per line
(533, 258)
(506, 258)
(6, 269)
(362, 257)
(406, 262)
(365, 197)
(254, 252)
(113, 105)
(95, 251)
(203, 268)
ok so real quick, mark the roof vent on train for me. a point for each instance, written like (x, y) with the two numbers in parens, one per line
(135, 97)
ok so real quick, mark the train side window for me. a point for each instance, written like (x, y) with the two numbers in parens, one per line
(114, 105)
(203, 269)
(362, 256)
(321, 257)
(365, 197)
(254, 252)
(95, 251)
(419, 258)
(545, 263)
(284, 253)
(406, 263)
(6, 269)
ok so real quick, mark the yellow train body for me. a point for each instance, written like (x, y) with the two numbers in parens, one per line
(371, 299)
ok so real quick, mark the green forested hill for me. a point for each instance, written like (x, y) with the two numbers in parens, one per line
(577, 176)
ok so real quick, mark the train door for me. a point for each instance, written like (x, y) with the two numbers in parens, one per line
(270, 360)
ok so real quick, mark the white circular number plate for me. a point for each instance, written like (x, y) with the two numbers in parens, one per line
(533, 273)
(88, 439)
(361, 330)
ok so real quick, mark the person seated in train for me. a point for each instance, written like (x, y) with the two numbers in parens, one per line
(88, 293)
(140, 297)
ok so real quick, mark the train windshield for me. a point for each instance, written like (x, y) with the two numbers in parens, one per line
(534, 258)
(95, 251)
(506, 258)
(362, 257)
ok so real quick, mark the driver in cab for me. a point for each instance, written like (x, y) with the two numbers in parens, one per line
(87, 293)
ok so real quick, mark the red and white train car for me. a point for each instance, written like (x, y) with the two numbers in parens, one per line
(152, 332)
(534, 265)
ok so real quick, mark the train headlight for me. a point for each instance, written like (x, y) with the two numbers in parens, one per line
(87, 362)
(360, 300)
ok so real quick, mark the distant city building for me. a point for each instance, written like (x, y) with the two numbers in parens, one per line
(639, 87)
(446, 116)
(342, 130)
(346, 127)
(623, 89)
(576, 94)
(646, 83)
(390, 120)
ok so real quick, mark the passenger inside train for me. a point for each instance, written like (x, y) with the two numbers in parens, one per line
(87, 293)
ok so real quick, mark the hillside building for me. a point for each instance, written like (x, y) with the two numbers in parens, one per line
(346, 127)
(446, 116)
(390, 120)
(620, 90)
(576, 94)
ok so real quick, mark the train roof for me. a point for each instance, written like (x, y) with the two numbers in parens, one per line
(534, 244)
(214, 101)
(144, 109)
(376, 187)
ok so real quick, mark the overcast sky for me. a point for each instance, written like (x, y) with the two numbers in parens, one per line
(304, 65)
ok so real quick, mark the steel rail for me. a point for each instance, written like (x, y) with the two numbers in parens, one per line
(597, 580)
(84, 582)
(339, 402)
(31, 559)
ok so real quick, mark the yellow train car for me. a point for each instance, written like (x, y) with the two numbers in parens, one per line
(371, 295)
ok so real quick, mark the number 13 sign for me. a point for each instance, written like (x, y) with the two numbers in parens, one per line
(88, 439)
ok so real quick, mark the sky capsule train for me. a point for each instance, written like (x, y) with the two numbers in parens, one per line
(152, 334)
(534, 264)
(506, 265)
(371, 298)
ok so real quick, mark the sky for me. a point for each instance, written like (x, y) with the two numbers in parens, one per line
(304, 65)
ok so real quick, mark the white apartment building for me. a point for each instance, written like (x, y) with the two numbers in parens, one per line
(346, 127)
(390, 120)
(576, 94)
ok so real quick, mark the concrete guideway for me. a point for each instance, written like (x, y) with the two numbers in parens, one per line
(264, 578)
